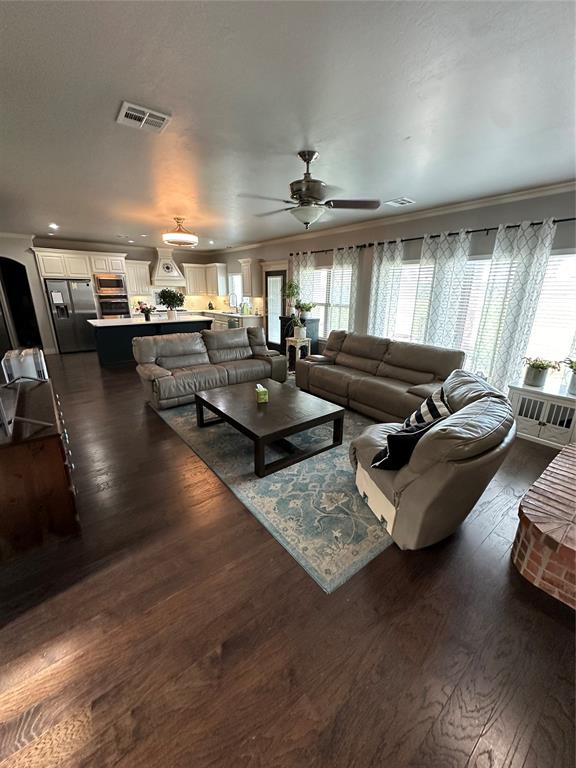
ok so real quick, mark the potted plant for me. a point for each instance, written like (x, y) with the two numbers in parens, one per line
(303, 308)
(171, 299)
(291, 293)
(572, 382)
(298, 327)
(537, 370)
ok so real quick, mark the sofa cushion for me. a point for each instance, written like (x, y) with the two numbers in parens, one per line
(247, 370)
(176, 349)
(186, 381)
(333, 344)
(224, 346)
(257, 340)
(372, 440)
(425, 390)
(462, 388)
(364, 353)
(433, 408)
(389, 395)
(400, 446)
(334, 378)
(388, 371)
(471, 431)
(439, 361)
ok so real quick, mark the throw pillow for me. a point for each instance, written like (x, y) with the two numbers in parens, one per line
(434, 407)
(400, 446)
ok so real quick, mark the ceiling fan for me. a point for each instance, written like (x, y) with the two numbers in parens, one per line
(308, 197)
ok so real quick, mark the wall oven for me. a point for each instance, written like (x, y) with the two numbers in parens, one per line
(110, 284)
(113, 306)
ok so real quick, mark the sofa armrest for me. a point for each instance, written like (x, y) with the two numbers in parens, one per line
(303, 366)
(151, 371)
(278, 366)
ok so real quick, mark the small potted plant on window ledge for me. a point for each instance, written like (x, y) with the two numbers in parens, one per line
(171, 300)
(304, 308)
(537, 370)
(572, 381)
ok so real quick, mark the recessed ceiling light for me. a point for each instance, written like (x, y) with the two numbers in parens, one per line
(50, 234)
(53, 226)
(211, 242)
(143, 235)
(398, 202)
(130, 241)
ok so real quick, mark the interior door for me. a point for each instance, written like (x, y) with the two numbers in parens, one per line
(275, 284)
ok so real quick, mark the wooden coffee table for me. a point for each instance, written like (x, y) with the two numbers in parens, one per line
(288, 412)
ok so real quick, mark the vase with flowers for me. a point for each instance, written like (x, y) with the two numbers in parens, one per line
(145, 309)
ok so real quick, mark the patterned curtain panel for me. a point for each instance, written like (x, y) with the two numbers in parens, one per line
(516, 276)
(301, 268)
(343, 288)
(385, 288)
(440, 295)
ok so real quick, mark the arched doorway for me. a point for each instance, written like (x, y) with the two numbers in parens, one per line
(18, 316)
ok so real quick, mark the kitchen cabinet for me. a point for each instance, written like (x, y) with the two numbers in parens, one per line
(251, 277)
(114, 262)
(138, 278)
(53, 262)
(216, 280)
(195, 275)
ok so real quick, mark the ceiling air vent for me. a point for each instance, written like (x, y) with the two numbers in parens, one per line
(398, 202)
(142, 117)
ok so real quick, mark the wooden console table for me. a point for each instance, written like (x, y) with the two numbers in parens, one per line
(544, 549)
(36, 491)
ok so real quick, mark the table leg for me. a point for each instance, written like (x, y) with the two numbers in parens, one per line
(199, 413)
(338, 431)
(259, 455)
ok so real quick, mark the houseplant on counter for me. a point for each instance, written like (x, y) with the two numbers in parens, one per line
(145, 309)
(537, 370)
(171, 300)
(572, 381)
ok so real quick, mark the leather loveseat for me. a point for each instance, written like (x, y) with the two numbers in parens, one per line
(384, 379)
(174, 366)
(427, 499)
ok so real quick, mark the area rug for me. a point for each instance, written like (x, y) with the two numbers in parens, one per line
(312, 508)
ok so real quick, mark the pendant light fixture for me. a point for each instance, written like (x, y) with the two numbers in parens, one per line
(180, 236)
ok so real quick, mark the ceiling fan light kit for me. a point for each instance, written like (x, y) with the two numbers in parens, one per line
(180, 237)
(309, 196)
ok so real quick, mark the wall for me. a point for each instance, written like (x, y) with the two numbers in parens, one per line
(505, 209)
(18, 248)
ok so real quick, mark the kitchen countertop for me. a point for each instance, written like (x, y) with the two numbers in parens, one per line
(111, 322)
(225, 314)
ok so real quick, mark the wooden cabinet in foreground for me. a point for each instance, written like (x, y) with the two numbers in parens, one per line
(37, 497)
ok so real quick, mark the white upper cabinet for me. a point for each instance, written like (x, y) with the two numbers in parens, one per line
(53, 262)
(216, 280)
(195, 275)
(251, 277)
(108, 262)
(138, 278)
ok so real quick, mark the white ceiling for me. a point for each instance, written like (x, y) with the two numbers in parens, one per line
(439, 101)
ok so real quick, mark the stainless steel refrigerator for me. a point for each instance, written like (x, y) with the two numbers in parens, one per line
(72, 303)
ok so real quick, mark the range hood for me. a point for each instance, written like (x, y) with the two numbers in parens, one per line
(166, 274)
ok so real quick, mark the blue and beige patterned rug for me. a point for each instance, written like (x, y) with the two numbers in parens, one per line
(312, 508)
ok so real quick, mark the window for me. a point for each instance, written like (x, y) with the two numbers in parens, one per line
(235, 286)
(553, 333)
(331, 293)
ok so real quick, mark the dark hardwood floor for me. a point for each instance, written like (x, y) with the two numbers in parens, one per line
(177, 632)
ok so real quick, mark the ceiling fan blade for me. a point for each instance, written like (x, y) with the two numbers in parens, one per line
(367, 205)
(271, 213)
(262, 197)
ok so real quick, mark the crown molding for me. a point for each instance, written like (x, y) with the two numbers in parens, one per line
(424, 213)
(16, 236)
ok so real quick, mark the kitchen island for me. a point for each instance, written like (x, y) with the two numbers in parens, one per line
(114, 336)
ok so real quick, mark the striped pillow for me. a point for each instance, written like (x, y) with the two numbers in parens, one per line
(434, 407)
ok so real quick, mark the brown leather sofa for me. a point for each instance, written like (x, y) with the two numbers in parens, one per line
(174, 366)
(384, 379)
(426, 500)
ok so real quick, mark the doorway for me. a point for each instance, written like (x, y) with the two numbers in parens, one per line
(275, 283)
(19, 313)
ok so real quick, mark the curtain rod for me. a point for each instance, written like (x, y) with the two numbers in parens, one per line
(421, 237)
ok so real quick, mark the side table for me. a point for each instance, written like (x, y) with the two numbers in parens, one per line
(298, 344)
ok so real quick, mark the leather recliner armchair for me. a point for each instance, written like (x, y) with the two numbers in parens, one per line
(451, 466)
